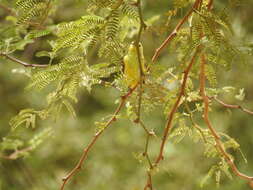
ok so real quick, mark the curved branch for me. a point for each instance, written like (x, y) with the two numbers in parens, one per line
(231, 106)
(219, 144)
(22, 62)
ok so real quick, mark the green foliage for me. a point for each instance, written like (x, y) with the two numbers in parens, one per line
(32, 11)
(86, 53)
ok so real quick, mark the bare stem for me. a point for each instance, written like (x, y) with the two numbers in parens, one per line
(174, 109)
(21, 62)
(173, 34)
(149, 182)
(231, 106)
(95, 138)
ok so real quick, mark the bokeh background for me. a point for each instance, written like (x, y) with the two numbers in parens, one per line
(112, 164)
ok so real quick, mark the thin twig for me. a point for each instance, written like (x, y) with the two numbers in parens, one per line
(210, 5)
(142, 75)
(149, 184)
(195, 125)
(232, 106)
(95, 138)
(144, 127)
(7, 56)
(175, 31)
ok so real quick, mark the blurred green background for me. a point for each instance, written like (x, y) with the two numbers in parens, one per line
(111, 164)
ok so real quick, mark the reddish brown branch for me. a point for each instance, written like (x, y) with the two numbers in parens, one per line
(21, 62)
(231, 106)
(210, 5)
(175, 31)
(95, 138)
(174, 109)
(149, 182)
(218, 141)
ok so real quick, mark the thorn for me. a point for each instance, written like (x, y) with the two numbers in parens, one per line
(114, 118)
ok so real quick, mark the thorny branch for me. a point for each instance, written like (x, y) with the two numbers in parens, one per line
(174, 108)
(168, 126)
(214, 133)
(219, 145)
(173, 34)
(95, 138)
(182, 90)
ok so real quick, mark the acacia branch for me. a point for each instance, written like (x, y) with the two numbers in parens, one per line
(231, 106)
(214, 133)
(174, 108)
(173, 34)
(95, 138)
(7, 56)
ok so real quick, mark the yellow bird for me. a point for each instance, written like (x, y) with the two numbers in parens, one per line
(131, 65)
